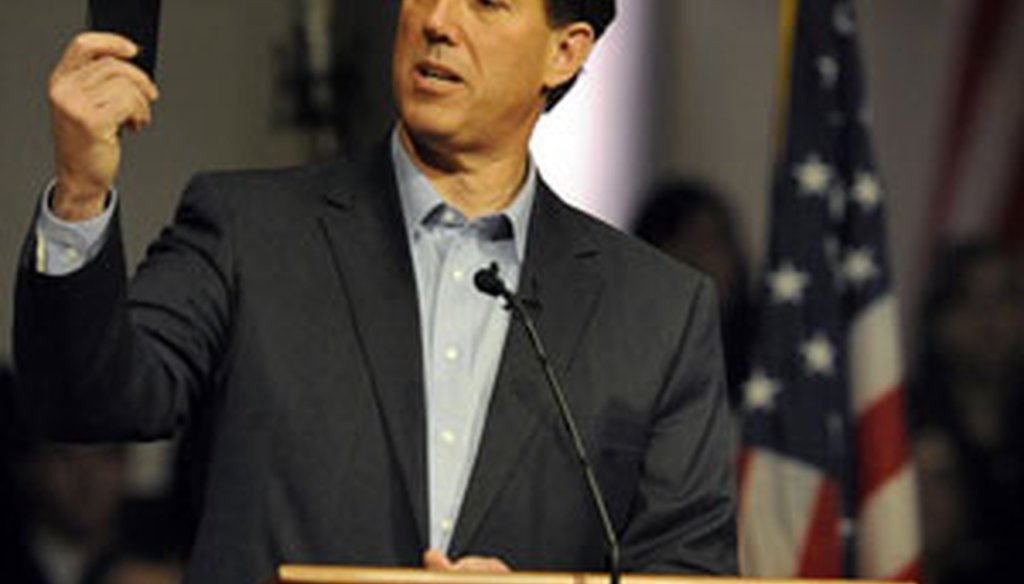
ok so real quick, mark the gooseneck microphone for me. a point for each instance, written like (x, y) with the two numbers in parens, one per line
(489, 282)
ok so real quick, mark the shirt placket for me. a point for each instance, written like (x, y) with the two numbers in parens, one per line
(454, 400)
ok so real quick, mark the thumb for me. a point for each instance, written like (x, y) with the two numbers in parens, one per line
(435, 560)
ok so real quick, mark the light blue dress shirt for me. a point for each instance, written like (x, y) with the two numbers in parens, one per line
(63, 247)
(463, 330)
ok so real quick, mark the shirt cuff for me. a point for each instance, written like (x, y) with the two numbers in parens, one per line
(64, 247)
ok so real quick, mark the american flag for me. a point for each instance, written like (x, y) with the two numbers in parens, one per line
(827, 488)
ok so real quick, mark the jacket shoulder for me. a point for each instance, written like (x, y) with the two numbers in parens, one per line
(627, 258)
(289, 185)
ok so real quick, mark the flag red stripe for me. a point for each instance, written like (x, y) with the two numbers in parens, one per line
(822, 554)
(881, 443)
(986, 22)
(743, 466)
(1013, 215)
(745, 461)
(911, 573)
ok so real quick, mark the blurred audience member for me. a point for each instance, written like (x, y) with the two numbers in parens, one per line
(692, 222)
(68, 517)
(966, 398)
(11, 444)
(136, 567)
(74, 493)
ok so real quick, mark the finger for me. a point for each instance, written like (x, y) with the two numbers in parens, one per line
(89, 46)
(107, 68)
(88, 104)
(480, 564)
(435, 560)
(139, 119)
(116, 103)
(78, 94)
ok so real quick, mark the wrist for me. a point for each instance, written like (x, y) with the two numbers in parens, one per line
(71, 203)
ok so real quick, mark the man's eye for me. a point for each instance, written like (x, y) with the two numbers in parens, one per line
(491, 3)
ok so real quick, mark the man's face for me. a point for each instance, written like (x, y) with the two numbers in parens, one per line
(470, 74)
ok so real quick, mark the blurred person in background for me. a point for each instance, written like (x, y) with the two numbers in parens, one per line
(967, 395)
(68, 511)
(13, 443)
(73, 494)
(693, 223)
(136, 565)
(76, 520)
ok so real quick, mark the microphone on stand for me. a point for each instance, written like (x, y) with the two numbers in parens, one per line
(489, 282)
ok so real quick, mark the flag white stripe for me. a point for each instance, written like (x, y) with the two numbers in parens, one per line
(875, 353)
(888, 539)
(777, 511)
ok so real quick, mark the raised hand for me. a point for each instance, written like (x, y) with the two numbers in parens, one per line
(94, 92)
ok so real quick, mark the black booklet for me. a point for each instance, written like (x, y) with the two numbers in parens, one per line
(139, 20)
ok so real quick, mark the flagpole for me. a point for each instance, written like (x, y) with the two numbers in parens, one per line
(788, 10)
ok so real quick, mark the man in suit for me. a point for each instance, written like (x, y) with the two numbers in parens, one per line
(349, 395)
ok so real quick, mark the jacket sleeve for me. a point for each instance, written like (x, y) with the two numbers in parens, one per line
(683, 517)
(98, 360)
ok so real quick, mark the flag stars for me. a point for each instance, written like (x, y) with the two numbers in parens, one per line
(819, 355)
(813, 176)
(828, 68)
(859, 267)
(788, 284)
(867, 191)
(759, 392)
(843, 19)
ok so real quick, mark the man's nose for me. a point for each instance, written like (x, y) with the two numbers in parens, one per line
(440, 17)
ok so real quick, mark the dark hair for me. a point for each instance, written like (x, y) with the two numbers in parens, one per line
(669, 210)
(670, 207)
(948, 280)
(597, 13)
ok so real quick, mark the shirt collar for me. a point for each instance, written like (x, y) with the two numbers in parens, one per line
(420, 200)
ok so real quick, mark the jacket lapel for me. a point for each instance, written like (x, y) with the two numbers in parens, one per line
(364, 227)
(560, 284)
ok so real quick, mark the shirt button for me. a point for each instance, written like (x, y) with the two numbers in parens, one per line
(71, 254)
(459, 275)
(451, 353)
(446, 525)
(449, 217)
(448, 437)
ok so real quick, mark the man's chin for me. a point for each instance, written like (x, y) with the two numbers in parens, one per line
(436, 134)
(430, 127)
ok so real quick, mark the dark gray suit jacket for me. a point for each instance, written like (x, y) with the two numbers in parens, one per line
(276, 320)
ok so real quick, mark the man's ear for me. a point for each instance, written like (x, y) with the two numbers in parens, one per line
(570, 46)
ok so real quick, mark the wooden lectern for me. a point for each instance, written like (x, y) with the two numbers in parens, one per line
(294, 574)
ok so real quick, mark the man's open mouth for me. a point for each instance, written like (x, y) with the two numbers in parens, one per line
(437, 72)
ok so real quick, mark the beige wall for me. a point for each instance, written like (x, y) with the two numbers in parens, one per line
(216, 72)
(715, 84)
